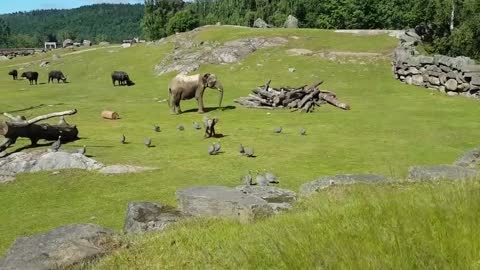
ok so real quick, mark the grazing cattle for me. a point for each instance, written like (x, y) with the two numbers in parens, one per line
(32, 76)
(58, 75)
(14, 74)
(122, 78)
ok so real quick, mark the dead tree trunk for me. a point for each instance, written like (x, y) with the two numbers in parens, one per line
(19, 127)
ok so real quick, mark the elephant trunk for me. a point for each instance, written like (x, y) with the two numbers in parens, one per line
(220, 89)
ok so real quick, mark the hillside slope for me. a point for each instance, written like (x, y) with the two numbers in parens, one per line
(391, 126)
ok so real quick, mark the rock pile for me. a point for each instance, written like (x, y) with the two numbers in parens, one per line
(453, 76)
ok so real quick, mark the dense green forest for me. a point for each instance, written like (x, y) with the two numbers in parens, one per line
(101, 22)
(434, 17)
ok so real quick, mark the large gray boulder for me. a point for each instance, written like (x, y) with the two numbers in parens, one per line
(67, 42)
(87, 43)
(147, 216)
(470, 159)
(35, 161)
(291, 22)
(270, 194)
(216, 201)
(313, 187)
(278, 199)
(60, 248)
(440, 172)
(259, 23)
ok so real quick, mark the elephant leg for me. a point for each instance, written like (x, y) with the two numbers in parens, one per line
(200, 104)
(176, 103)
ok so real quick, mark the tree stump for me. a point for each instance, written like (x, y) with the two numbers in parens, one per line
(110, 115)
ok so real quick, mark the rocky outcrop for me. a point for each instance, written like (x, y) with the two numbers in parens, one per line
(60, 248)
(35, 161)
(147, 216)
(67, 42)
(41, 160)
(453, 76)
(259, 23)
(278, 199)
(291, 22)
(440, 172)
(189, 55)
(269, 193)
(215, 201)
(122, 169)
(313, 187)
(470, 159)
(87, 43)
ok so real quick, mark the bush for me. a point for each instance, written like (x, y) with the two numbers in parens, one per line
(182, 21)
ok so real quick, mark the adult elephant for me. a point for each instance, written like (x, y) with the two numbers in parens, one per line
(184, 87)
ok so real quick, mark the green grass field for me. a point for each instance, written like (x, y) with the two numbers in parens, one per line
(390, 127)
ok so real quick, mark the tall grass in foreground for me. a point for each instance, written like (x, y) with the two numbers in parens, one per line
(400, 226)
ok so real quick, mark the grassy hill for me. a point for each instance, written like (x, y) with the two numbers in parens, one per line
(390, 127)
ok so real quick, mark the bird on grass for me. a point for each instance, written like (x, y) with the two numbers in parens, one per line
(217, 147)
(261, 180)
(123, 140)
(83, 150)
(303, 132)
(180, 127)
(156, 128)
(57, 144)
(278, 130)
(211, 150)
(196, 125)
(241, 149)
(248, 180)
(147, 142)
(249, 152)
(271, 178)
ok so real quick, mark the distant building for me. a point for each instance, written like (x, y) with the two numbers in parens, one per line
(50, 45)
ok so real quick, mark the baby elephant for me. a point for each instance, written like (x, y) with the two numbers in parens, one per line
(122, 78)
(32, 76)
(14, 74)
(56, 75)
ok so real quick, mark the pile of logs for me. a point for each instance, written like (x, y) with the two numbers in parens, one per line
(304, 98)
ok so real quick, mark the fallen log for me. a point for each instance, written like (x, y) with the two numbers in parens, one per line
(334, 101)
(19, 127)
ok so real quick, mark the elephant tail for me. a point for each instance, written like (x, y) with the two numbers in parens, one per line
(169, 96)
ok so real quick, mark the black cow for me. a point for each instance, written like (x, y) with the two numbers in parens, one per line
(56, 75)
(31, 76)
(122, 78)
(14, 74)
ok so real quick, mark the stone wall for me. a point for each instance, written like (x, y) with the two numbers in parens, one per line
(452, 76)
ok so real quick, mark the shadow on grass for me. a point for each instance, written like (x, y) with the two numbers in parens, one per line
(211, 109)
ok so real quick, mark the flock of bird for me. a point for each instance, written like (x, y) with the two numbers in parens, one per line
(261, 179)
(213, 149)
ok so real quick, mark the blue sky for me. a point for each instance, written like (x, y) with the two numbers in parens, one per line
(8, 6)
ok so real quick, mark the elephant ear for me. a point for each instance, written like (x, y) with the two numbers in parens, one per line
(205, 78)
